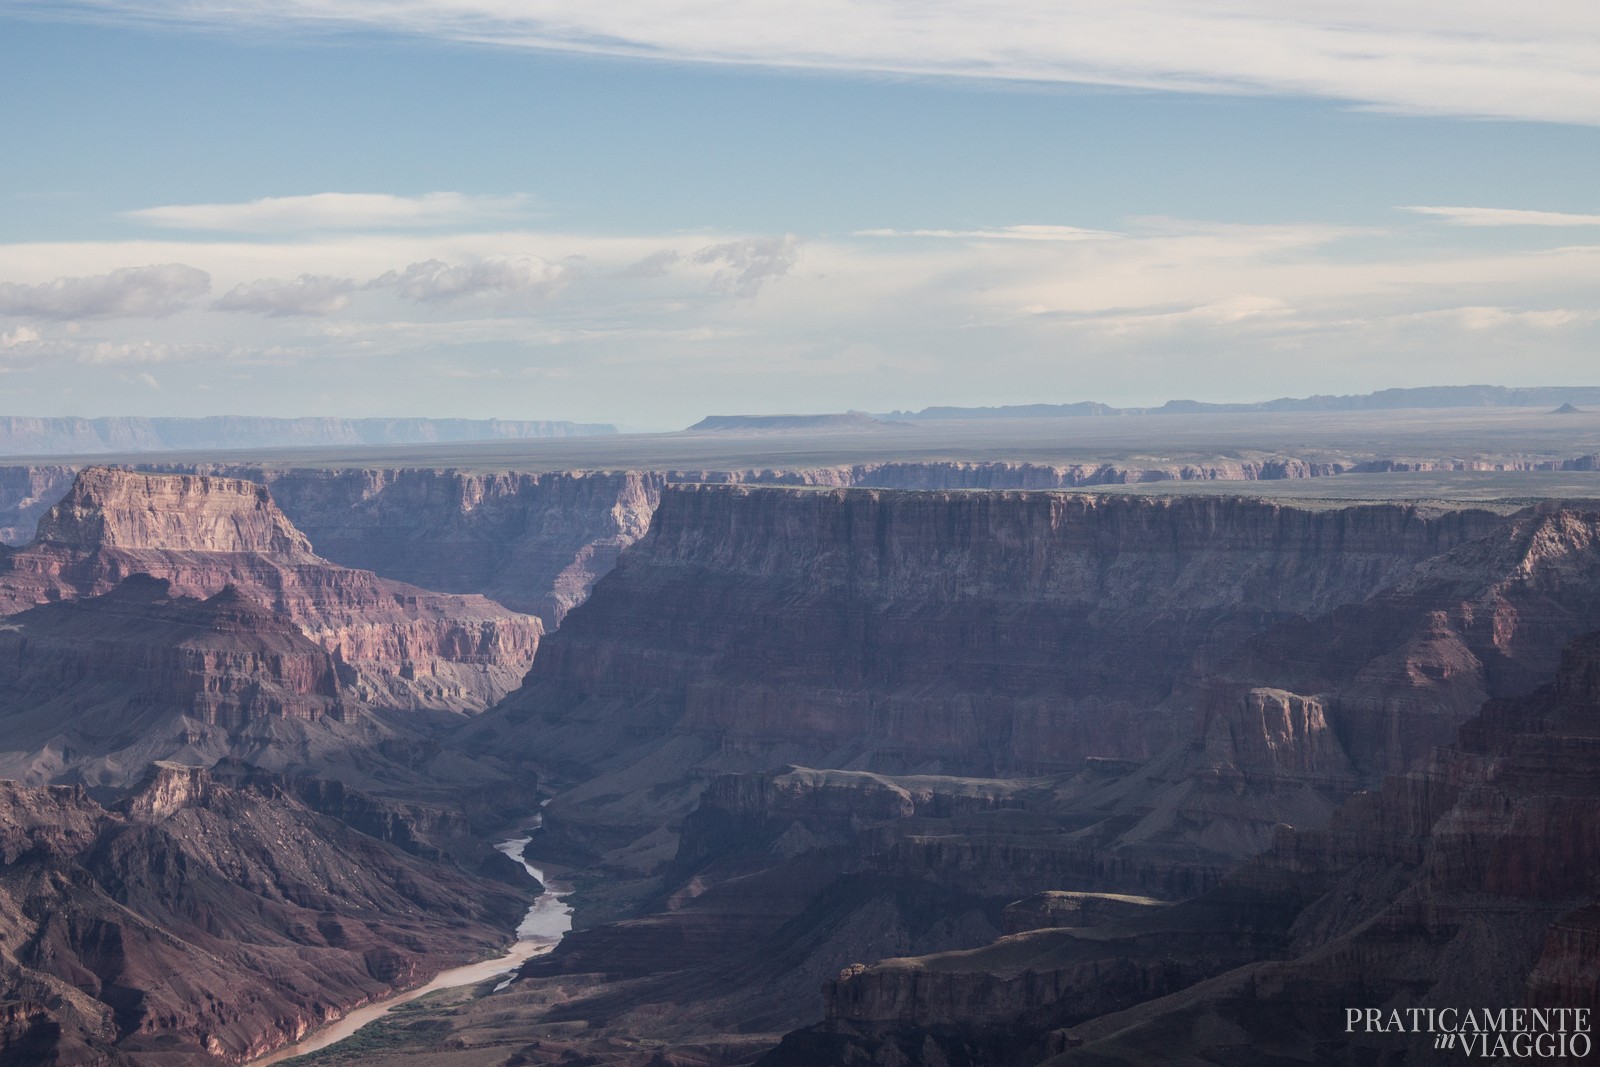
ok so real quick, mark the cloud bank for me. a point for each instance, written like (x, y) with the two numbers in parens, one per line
(154, 291)
(1466, 57)
(610, 326)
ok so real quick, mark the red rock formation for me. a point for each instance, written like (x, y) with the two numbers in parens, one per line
(204, 922)
(398, 646)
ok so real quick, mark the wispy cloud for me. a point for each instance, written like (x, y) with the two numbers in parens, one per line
(153, 291)
(1005, 233)
(1504, 216)
(335, 211)
(1469, 57)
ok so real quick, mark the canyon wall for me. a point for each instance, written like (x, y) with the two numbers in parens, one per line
(975, 632)
(396, 645)
(534, 542)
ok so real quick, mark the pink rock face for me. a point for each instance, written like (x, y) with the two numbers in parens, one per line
(396, 645)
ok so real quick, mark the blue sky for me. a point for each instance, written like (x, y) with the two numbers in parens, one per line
(670, 209)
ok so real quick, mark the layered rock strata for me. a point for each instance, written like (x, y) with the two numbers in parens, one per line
(969, 632)
(394, 645)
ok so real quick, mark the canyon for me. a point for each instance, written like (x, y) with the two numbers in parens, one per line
(883, 761)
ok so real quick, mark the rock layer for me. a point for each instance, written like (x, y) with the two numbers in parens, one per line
(395, 645)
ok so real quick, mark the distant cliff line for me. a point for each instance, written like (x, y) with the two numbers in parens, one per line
(22, 435)
(1433, 396)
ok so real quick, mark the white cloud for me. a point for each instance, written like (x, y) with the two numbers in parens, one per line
(435, 281)
(748, 264)
(1504, 216)
(22, 335)
(309, 294)
(335, 211)
(152, 291)
(1466, 57)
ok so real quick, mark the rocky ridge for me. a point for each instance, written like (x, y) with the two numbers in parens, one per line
(205, 918)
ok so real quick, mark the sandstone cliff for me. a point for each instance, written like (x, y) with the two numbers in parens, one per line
(395, 645)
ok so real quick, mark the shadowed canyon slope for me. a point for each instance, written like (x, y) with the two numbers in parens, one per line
(1469, 882)
(210, 916)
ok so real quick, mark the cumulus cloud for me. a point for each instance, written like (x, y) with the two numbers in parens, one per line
(334, 211)
(747, 265)
(434, 281)
(149, 292)
(1463, 57)
(22, 335)
(309, 294)
(1504, 216)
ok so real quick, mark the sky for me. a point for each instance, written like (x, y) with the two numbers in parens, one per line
(647, 211)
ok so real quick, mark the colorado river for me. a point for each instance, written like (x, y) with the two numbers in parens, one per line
(544, 924)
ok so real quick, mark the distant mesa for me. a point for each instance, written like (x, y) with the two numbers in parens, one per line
(1436, 396)
(1567, 409)
(849, 420)
(22, 435)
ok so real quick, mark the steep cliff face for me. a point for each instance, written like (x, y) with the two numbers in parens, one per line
(200, 921)
(533, 542)
(26, 493)
(395, 645)
(98, 688)
(976, 632)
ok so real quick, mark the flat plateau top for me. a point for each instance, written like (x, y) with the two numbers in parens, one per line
(1467, 435)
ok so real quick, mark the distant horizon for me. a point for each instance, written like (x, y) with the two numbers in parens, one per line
(621, 427)
(644, 215)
